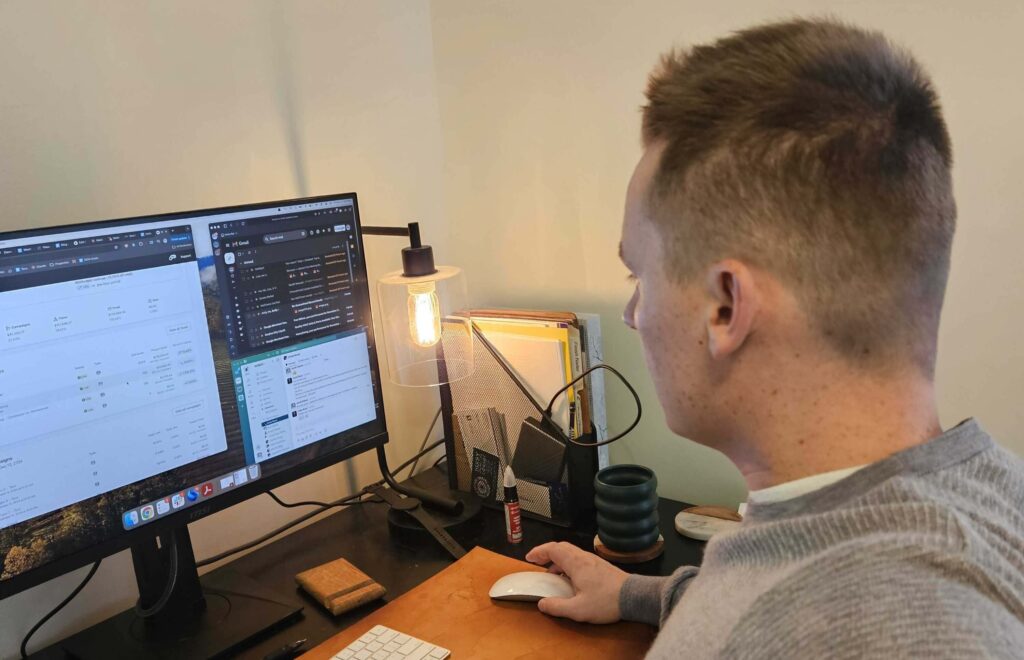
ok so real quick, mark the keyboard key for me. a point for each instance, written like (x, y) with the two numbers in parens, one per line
(410, 646)
(383, 643)
(420, 652)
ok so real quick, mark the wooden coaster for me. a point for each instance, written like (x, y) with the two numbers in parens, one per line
(703, 522)
(715, 512)
(339, 586)
(637, 557)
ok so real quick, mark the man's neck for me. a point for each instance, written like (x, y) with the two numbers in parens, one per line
(842, 422)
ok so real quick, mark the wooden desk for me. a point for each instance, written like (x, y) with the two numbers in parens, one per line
(360, 534)
(452, 609)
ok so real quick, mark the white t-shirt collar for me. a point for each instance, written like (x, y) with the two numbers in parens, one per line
(797, 487)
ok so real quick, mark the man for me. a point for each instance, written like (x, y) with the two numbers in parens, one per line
(789, 229)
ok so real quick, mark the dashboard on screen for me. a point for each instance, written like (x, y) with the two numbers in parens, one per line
(149, 365)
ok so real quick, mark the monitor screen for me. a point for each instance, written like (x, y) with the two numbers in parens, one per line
(156, 369)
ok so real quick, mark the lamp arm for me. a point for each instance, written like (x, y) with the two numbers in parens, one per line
(386, 231)
(417, 259)
(412, 231)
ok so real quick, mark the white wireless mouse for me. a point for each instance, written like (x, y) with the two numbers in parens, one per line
(531, 586)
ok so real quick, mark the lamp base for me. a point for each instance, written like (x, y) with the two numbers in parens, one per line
(404, 528)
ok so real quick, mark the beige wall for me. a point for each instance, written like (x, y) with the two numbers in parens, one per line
(539, 108)
(125, 108)
(508, 128)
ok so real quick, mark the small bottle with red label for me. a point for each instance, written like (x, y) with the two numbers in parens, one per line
(513, 519)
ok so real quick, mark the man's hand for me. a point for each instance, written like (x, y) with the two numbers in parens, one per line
(597, 583)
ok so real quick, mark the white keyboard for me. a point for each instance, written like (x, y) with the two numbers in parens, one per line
(383, 643)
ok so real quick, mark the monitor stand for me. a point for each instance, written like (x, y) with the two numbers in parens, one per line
(200, 618)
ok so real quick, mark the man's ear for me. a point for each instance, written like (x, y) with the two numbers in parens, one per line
(734, 303)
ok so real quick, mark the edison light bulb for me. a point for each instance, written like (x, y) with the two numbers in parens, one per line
(424, 314)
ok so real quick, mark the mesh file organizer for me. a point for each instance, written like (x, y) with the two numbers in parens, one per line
(571, 499)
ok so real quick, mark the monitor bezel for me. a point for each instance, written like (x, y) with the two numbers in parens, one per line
(126, 539)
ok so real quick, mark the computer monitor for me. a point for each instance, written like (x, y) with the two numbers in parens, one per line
(157, 369)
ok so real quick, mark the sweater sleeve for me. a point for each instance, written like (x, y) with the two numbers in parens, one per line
(650, 599)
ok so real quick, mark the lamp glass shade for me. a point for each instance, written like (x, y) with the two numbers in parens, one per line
(427, 327)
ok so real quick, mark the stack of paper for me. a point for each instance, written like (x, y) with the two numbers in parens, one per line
(547, 350)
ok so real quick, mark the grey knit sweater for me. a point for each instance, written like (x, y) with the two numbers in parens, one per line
(919, 555)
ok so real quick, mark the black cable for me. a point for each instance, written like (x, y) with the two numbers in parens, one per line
(301, 519)
(173, 572)
(172, 582)
(322, 505)
(347, 501)
(545, 413)
(265, 537)
(63, 603)
(636, 397)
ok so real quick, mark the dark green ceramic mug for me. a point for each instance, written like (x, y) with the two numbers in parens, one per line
(626, 500)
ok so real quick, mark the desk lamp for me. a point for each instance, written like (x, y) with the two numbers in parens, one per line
(422, 308)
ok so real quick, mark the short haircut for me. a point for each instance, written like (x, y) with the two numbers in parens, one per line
(816, 151)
